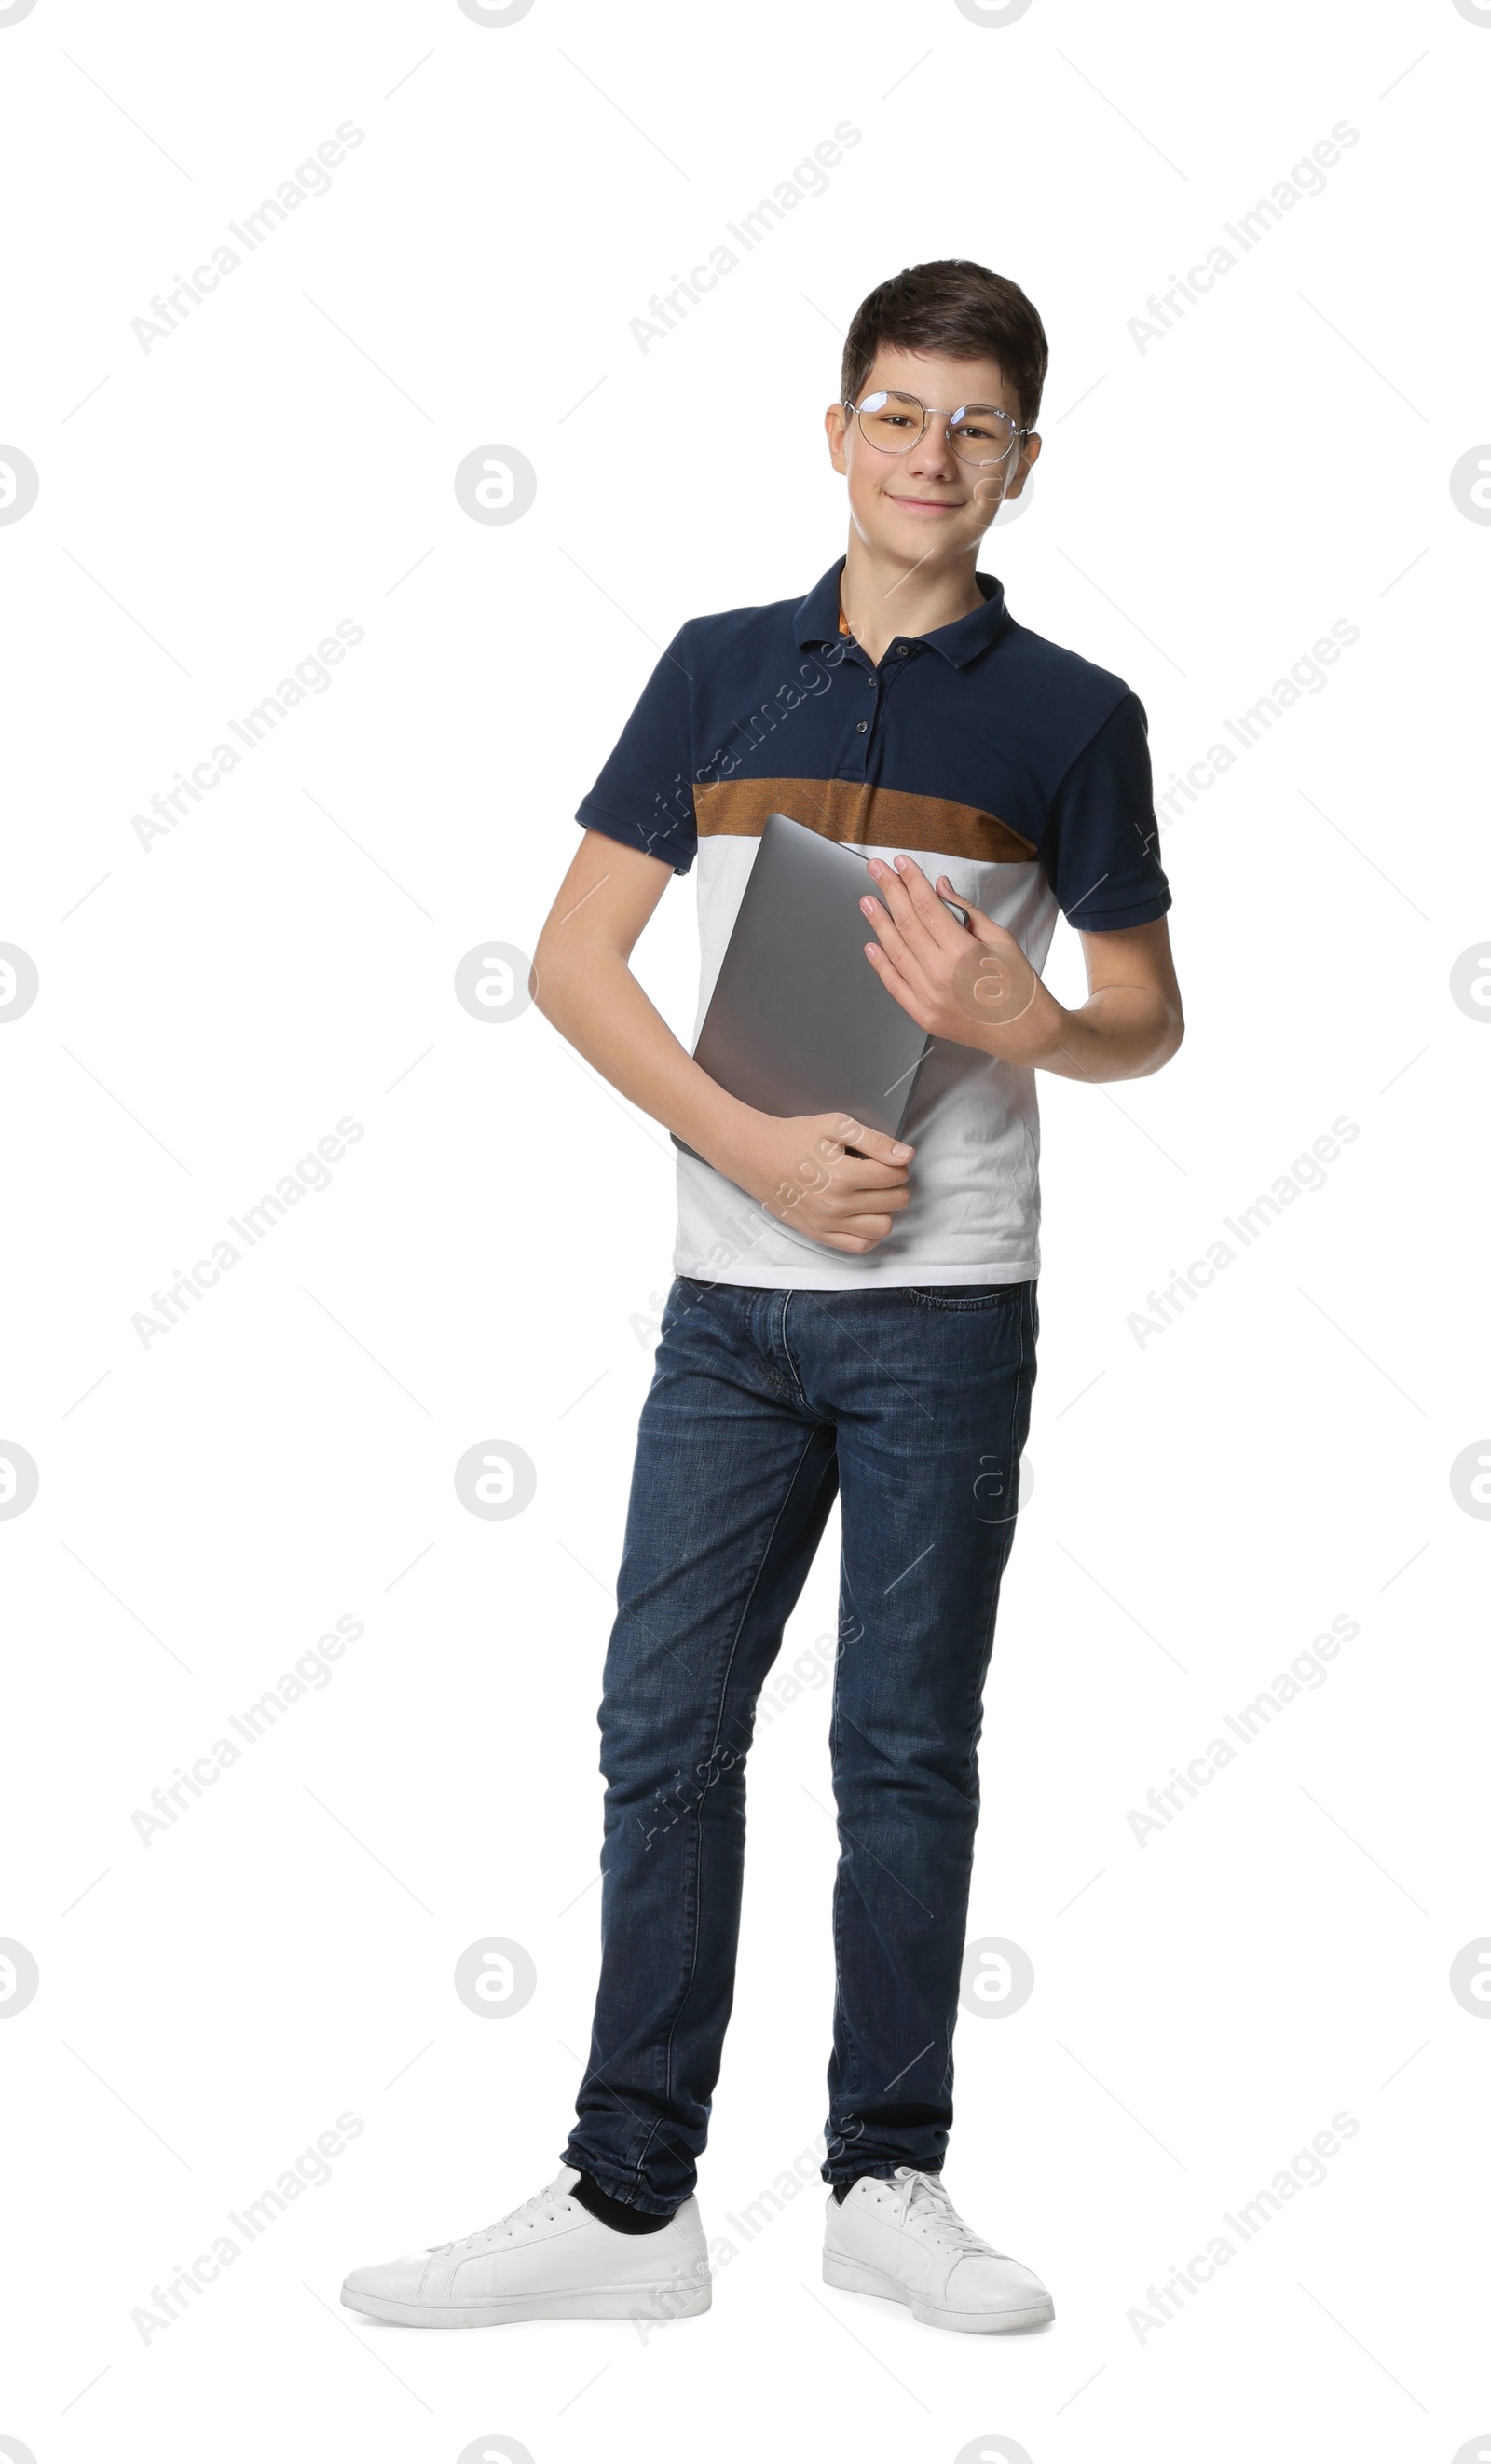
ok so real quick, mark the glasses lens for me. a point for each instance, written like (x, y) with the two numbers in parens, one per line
(981, 432)
(892, 421)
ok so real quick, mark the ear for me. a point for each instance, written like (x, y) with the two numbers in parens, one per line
(1030, 455)
(835, 427)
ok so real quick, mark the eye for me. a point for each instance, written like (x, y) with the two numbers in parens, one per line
(984, 427)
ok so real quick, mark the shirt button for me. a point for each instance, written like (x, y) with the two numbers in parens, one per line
(863, 728)
(901, 651)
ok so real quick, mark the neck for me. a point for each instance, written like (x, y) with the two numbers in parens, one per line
(884, 597)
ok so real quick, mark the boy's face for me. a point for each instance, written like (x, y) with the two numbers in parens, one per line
(929, 505)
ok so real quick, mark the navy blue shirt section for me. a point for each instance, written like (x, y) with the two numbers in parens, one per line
(980, 738)
(1099, 849)
(645, 793)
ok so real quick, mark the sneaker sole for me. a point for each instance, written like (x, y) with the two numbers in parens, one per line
(657, 2302)
(852, 2276)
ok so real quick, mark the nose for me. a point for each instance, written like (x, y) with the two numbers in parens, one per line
(932, 451)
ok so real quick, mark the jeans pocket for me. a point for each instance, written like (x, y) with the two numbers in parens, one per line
(965, 1296)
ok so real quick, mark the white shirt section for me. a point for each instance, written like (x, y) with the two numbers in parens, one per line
(974, 1210)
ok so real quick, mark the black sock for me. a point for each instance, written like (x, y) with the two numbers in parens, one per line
(611, 2211)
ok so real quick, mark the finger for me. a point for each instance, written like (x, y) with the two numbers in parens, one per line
(858, 1179)
(855, 1228)
(905, 982)
(885, 898)
(892, 937)
(894, 905)
(860, 1235)
(858, 1172)
(848, 1198)
(982, 925)
(876, 1143)
(923, 905)
(919, 949)
(854, 1246)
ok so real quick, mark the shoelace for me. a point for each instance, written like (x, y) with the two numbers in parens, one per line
(525, 2213)
(922, 2196)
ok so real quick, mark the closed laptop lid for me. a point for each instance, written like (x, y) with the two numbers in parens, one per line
(799, 1022)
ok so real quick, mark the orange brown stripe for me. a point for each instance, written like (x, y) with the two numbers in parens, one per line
(858, 815)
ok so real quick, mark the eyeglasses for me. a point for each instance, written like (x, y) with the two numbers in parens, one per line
(977, 431)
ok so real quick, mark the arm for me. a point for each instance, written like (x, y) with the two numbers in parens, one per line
(977, 988)
(582, 984)
(1132, 1023)
(803, 1171)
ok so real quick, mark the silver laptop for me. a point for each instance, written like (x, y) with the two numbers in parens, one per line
(799, 1021)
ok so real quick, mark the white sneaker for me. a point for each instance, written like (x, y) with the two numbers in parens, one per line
(905, 2240)
(550, 2259)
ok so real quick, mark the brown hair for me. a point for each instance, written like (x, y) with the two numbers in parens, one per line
(959, 309)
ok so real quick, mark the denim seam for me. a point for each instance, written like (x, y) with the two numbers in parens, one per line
(1021, 1388)
(786, 1303)
(1012, 1457)
(696, 1839)
(961, 1306)
(616, 2186)
(849, 2085)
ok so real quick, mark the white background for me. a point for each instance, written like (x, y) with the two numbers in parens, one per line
(489, 1259)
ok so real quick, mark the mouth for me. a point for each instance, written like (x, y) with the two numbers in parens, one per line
(923, 504)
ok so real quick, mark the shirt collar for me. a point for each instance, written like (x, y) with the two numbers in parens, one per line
(815, 619)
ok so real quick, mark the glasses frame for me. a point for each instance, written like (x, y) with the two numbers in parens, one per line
(893, 392)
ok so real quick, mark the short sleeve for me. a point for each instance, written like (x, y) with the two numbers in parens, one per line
(645, 793)
(1100, 847)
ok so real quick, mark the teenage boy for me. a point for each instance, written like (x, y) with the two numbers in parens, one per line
(851, 1314)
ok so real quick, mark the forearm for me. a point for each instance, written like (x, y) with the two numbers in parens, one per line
(1123, 1031)
(597, 1005)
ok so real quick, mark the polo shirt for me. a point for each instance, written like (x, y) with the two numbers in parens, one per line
(984, 750)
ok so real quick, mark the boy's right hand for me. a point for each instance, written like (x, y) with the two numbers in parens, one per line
(824, 1173)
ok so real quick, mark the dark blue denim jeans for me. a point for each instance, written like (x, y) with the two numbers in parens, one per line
(913, 1407)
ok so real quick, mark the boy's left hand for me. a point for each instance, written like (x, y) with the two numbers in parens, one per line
(972, 986)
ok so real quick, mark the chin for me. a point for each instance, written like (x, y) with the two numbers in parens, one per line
(924, 539)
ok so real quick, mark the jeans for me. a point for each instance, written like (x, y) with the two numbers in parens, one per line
(913, 1407)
